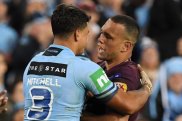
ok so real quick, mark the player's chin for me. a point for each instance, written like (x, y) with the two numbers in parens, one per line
(101, 57)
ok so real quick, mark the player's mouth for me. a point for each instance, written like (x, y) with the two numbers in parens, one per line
(101, 50)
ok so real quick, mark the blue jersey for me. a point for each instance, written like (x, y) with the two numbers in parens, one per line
(55, 84)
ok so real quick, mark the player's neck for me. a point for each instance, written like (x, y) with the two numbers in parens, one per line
(116, 61)
(67, 43)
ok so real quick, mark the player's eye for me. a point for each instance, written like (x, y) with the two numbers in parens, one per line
(100, 34)
(107, 36)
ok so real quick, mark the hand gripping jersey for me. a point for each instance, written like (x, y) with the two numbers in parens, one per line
(55, 84)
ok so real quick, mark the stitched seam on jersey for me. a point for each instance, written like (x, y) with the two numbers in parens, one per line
(74, 76)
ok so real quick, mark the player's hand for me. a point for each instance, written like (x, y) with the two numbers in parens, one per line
(89, 94)
(3, 101)
(179, 118)
(145, 81)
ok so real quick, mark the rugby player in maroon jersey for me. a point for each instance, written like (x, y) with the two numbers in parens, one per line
(115, 44)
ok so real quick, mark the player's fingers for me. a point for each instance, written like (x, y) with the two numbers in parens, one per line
(143, 74)
(145, 79)
(4, 101)
(3, 98)
(3, 110)
(140, 68)
(89, 94)
(4, 92)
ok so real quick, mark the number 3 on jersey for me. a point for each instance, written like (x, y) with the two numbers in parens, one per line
(42, 98)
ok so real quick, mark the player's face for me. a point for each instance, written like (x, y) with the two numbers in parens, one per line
(179, 47)
(175, 83)
(110, 41)
(3, 9)
(3, 65)
(83, 39)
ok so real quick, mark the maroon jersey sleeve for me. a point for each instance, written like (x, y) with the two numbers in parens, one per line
(126, 73)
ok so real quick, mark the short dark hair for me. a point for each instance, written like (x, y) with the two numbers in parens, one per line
(66, 19)
(131, 27)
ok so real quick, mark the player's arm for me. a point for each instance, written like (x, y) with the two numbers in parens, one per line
(96, 81)
(87, 116)
(105, 117)
(3, 101)
(129, 102)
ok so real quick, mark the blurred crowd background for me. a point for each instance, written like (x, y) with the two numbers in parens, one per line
(25, 30)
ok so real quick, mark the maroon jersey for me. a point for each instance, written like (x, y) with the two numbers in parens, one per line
(126, 72)
(128, 77)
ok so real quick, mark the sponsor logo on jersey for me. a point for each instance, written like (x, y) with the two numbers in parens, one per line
(47, 68)
(52, 51)
(100, 80)
(122, 86)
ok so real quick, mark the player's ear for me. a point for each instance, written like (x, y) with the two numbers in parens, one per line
(74, 34)
(126, 46)
(77, 35)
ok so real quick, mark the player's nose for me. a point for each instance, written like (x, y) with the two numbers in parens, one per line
(100, 40)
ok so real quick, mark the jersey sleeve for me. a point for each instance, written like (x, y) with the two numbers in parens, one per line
(95, 80)
(127, 77)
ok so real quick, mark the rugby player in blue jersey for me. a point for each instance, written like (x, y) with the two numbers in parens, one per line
(56, 80)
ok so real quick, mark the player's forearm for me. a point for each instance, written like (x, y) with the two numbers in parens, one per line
(137, 99)
(98, 118)
(106, 117)
(90, 117)
(129, 102)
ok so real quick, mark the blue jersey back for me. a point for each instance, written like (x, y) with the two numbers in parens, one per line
(55, 83)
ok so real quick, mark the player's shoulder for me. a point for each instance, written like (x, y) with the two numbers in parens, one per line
(38, 54)
(129, 74)
(132, 65)
(129, 66)
(34, 58)
(128, 71)
(85, 65)
(85, 62)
